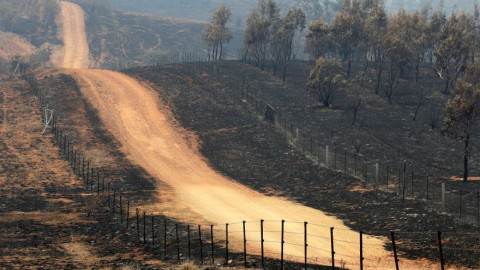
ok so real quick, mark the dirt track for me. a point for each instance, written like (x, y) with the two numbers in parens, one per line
(150, 137)
(75, 52)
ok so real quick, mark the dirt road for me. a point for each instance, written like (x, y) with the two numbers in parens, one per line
(75, 53)
(151, 138)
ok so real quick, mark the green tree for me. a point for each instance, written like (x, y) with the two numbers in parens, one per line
(325, 79)
(216, 33)
(463, 112)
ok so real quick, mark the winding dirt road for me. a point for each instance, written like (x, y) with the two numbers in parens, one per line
(151, 138)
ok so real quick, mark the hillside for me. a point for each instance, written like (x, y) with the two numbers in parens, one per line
(122, 39)
(219, 163)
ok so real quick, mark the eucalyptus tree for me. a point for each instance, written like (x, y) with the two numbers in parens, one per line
(216, 33)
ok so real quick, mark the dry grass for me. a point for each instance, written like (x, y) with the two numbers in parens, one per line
(130, 267)
(80, 252)
(188, 266)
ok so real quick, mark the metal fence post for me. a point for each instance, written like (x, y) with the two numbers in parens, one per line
(262, 243)
(244, 244)
(213, 245)
(282, 244)
(226, 243)
(361, 250)
(305, 244)
(440, 250)
(332, 248)
(201, 244)
(443, 196)
(394, 246)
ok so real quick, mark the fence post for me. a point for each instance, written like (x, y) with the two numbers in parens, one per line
(262, 242)
(394, 246)
(98, 182)
(188, 240)
(165, 236)
(361, 250)
(244, 245)
(144, 228)
(213, 245)
(427, 188)
(412, 185)
(311, 146)
(399, 182)
(345, 162)
(113, 203)
(64, 145)
(388, 171)
(91, 180)
(83, 168)
(478, 207)
(128, 212)
(443, 196)
(226, 243)
(121, 210)
(138, 223)
(335, 158)
(332, 248)
(178, 243)
(201, 245)
(282, 244)
(366, 171)
(440, 250)
(376, 175)
(327, 156)
(88, 173)
(355, 165)
(460, 206)
(305, 243)
(153, 233)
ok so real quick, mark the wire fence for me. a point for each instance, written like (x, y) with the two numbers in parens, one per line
(291, 244)
(402, 179)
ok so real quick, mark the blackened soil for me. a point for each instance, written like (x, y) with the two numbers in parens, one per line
(250, 151)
